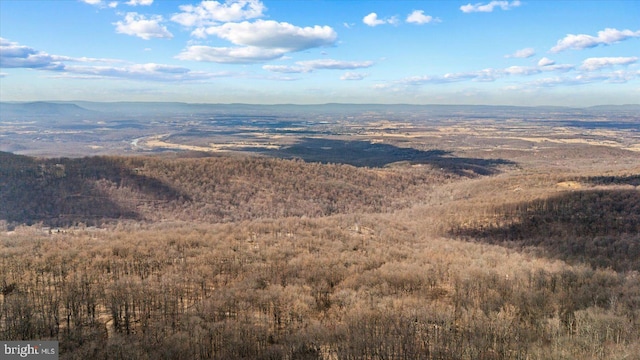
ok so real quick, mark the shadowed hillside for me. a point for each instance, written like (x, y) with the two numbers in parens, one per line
(67, 191)
(633, 180)
(93, 190)
(599, 227)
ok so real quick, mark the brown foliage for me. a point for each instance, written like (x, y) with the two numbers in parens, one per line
(600, 227)
(62, 192)
(271, 276)
(291, 288)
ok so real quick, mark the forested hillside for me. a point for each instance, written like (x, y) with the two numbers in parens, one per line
(598, 227)
(235, 257)
(95, 190)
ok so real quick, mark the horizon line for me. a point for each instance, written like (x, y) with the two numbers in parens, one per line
(308, 104)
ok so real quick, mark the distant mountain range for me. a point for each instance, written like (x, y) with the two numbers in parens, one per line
(42, 108)
(87, 108)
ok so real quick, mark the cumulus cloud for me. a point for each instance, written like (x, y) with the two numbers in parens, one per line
(521, 70)
(558, 67)
(144, 72)
(214, 12)
(320, 64)
(545, 62)
(101, 3)
(334, 64)
(480, 7)
(258, 41)
(607, 36)
(138, 25)
(522, 53)
(349, 75)
(14, 55)
(274, 35)
(418, 17)
(230, 55)
(484, 75)
(592, 64)
(616, 77)
(139, 2)
(286, 69)
(372, 20)
(557, 80)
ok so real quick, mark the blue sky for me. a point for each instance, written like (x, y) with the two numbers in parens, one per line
(574, 53)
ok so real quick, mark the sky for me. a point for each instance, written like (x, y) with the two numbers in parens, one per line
(507, 52)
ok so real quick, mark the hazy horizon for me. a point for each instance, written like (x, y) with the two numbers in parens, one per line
(503, 53)
(150, 102)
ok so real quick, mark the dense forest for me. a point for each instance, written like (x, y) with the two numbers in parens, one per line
(599, 227)
(234, 257)
(93, 190)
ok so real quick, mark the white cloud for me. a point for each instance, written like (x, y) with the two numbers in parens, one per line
(622, 76)
(607, 36)
(453, 77)
(521, 70)
(592, 64)
(256, 41)
(139, 2)
(320, 64)
(334, 64)
(214, 12)
(3, 74)
(479, 7)
(101, 3)
(484, 75)
(418, 17)
(14, 55)
(230, 55)
(522, 53)
(274, 35)
(286, 69)
(614, 77)
(372, 20)
(545, 62)
(558, 68)
(141, 72)
(145, 72)
(138, 25)
(353, 76)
